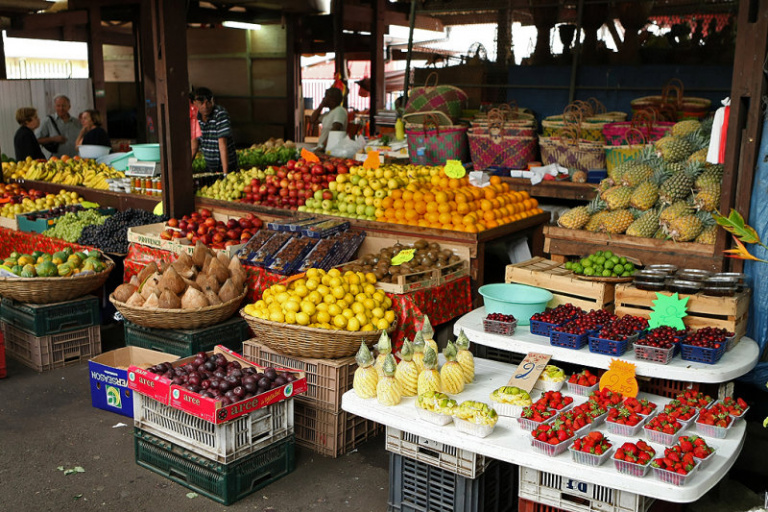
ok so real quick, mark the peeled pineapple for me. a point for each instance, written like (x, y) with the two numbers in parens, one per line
(436, 402)
(465, 358)
(384, 346)
(388, 390)
(451, 374)
(476, 412)
(366, 376)
(511, 395)
(418, 351)
(407, 374)
(428, 332)
(429, 377)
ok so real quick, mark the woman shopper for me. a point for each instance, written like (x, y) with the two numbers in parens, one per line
(91, 132)
(25, 143)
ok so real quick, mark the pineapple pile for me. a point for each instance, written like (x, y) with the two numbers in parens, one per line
(668, 192)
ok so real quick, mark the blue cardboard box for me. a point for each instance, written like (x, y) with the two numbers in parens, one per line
(109, 376)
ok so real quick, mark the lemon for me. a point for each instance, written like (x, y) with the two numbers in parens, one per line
(353, 325)
(278, 288)
(378, 296)
(367, 327)
(277, 316)
(326, 280)
(348, 313)
(323, 290)
(290, 317)
(334, 309)
(338, 292)
(358, 308)
(302, 318)
(343, 304)
(260, 304)
(322, 307)
(370, 278)
(313, 274)
(389, 316)
(349, 298)
(377, 313)
(334, 272)
(298, 282)
(301, 290)
(362, 318)
(382, 324)
(360, 297)
(323, 317)
(282, 297)
(335, 282)
(311, 284)
(340, 321)
(369, 289)
(387, 302)
(291, 306)
(250, 310)
(354, 289)
(329, 299)
(369, 304)
(351, 277)
(309, 308)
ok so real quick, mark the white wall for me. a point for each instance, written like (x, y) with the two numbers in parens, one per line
(39, 94)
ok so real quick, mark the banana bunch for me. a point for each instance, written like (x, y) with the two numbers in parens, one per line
(98, 180)
(74, 171)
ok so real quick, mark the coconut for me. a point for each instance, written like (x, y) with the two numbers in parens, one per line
(184, 260)
(198, 255)
(193, 299)
(135, 280)
(147, 271)
(213, 299)
(135, 300)
(205, 281)
(223, 258)
(151, 285)
(219, 271)
(228, 291)
(237, 273)
(169, 301)
(172, 281)
(208, 259)
(189, 282)
(153, 302)
(123, 292)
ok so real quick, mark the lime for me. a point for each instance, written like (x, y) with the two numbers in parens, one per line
(586, 262)
(629, 266)
(578, 268)
(606, 273)
(622, 260)
(618, 269)
(608, 254)
(598, 269)
(598, 253)
(625, 274)
(600, 260)
(609, 264)
(589, 271)
(569, 265)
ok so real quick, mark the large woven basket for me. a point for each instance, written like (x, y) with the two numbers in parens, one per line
(178, 318)
(300, 341)
(47, 290)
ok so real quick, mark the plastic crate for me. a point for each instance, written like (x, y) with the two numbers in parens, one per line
(666, 387)
(625, 430)
(590, 459)
(576, 389)
(327, 379)
(45, 319)
(450, 458)
(42, 353)
(497, 327)
(552, 450)
(655, 354)
(655, 436)
(224, 442)
(670, 477)
(187, 342)
(224, 483)
(328, 433)
(3, 372)
(630, 468)
(568, 340)
(702, 354)
(418, 487)
(495, 354)
(609, 347)
(713, 431)
(541, 328)
(563, 493)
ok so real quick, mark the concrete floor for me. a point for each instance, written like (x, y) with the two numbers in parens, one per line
(47, 421)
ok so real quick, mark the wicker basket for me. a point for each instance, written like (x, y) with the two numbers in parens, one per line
(301, 341)
(47, 290)
(178, 318)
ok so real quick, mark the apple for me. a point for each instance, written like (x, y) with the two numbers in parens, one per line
(342, 169)
(205, 212)
(327, 204)
(173, 222)
(167, 234)
(191, 235)
(202, 230)
(327, 194)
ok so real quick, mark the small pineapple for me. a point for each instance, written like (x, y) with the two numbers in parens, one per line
(418, 350)
(578, 217)
(683, 128)
(674, 149)
(699, 156)
(388, 391)
(679, 185)
(713, 174)
(636, 174)
(407, 374)
(366, 376)
(645, 225)
(707, 198)
(676, 209)
(451, 374)
(707, 236)
(618, 221)
(465, 358)
(595, 222)
(429, 377)
(428, 332)
(617, 197)
(384, 346)
(685, 228)
(646, 193)
(675, 168)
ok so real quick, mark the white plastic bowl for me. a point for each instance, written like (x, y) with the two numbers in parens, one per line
(93, 151)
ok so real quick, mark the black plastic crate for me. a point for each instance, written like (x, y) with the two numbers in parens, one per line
(224, 483)
(496, 354)
(46, 319)
(185, 343)
(418, 487)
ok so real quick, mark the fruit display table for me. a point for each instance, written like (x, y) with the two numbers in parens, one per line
(22, 241)
(510, 443)
(734, 363)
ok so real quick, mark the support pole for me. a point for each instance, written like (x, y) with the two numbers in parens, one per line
(96, 61)
(576, 52)
(378, 75)
(504, 37)
(3, 71)
(411, 26)
(295, 96)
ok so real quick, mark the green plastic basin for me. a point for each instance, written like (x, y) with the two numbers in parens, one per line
(519, 300)
(146, 152)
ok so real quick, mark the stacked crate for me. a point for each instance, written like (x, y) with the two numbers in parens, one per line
(2, 356)
(321, 424)
(187, 342)
(48, 336)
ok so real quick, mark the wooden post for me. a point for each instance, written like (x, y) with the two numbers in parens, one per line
(746, 119)
(378, 90)
(337, 10)
(294, 120)
(145, 76)
(3, 71)
(504, 37)
(96, 61)
(169, 31)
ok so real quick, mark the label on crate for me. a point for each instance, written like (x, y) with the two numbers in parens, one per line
(527, 373)
(620, 378)
(576, 487)
(149, 384)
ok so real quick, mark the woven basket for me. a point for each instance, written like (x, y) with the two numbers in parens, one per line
(47, 290)
(312, 342)
(178, 318)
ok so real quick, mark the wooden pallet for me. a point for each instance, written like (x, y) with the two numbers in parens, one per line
(553, 276)
(703, 310)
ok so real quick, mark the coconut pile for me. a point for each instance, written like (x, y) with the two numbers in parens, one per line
(190, 282)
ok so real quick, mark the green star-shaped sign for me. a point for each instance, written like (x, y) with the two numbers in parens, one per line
(668, 310)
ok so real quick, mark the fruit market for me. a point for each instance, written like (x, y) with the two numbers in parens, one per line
(408, 256)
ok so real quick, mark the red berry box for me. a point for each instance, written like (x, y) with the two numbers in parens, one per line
(610, 347)
(737, 408)
(634, 458)
(582, 383)
(655, 354)
(505, 327)
(591, 450)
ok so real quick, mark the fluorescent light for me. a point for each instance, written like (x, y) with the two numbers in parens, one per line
(240, 24)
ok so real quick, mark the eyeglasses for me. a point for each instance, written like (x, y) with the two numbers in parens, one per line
(203, 99)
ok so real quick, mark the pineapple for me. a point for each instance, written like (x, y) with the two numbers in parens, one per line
(418, 350)
(451, 374)
(465, 358)
(683, 128)
(429, 378)
(660, 234)
(646, 193)
(637, 174)
(388, 391)
(679, 185)
(707, 198)
(699, 156)
(575, 218)
(675, 168)
(595, 222)
(617, 197)
(407, 374)
(712, 175)
(707, 235)
(645, 225)
(684, 228)
(366, 376)
(677, 209)
(674, 149)
(384, 346)
(428, 333)
(618, 221)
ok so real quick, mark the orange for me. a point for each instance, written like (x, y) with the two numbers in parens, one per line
(454, 183)
(477, 193)
(495, 180)
(407, 195)
(441, 197)
(490, 193)
(495, 203)
(387, 202)
(429, 196)
(409, 205)
(418, 196)
(489, 215)
(390, 213)
(470, 229)
(485, 205)
(421, 207)
(444, 208)
(462, 208)
(447, 226)
(505, 187)
(460, 197)
(469, 220)
(444, 182)
(444, 218)
(524, 194)
(423, 223)
(398, 204)
(432, 206)
(411, 215)
(400, 214)
(435, 180)
(396, 193)
(432, 217)
(457, 219)
(491, 224)
(527, 204)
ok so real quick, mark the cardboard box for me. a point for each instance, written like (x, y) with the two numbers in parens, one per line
(109, 376)
(163, 390)
(149, 235)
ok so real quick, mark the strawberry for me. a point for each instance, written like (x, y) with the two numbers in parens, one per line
(716, 415)
(643, 407)
(553, 400)
(695, 399)
(664, 423)
(679, 411)
(636, 453)
(606, 398)
(584, 378)
(594, 442)
(735, 407)
(553, 434)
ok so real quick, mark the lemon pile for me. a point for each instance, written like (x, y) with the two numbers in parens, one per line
(327, 300)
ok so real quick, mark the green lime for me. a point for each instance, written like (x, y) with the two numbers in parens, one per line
(609, 264)
(598, 269)
(615, 259)
(625, 274)
(589, 271)
(606, 273)
(598, 253)
(622, 260)
(618, 269)
(600, 260)
(586, 262)
(608, 254)
(629, 266)
(569, 265)
(578, 268)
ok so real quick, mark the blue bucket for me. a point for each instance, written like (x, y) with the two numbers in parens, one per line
(519, 300)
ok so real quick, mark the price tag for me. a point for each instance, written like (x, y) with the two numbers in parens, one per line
(527, 373)
(88, 204)
(402, 257)
(454, 169)
(668, 310)
(158, 209)
(620, 378)
(372, 161)
(309, 156)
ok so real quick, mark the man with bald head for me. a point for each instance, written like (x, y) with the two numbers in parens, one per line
(60, 128)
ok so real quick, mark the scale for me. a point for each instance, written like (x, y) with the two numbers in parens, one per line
(142, 168)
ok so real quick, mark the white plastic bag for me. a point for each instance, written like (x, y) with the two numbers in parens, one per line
(348, 148)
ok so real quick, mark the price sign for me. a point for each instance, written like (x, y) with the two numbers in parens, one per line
(158, 209)
(454, 169)
(528, 371)
(668, 310)
(309, 156)
(88, 204)
(620, 378)
(372, 161)
(402, 257)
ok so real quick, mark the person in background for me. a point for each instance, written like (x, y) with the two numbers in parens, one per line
(216, 141)
(92, 133)
(60, 128)
(334, 120)
(24, 142)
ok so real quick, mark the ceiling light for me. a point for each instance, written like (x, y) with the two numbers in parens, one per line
(242, 25)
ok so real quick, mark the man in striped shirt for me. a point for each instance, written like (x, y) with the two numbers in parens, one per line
(216, 142)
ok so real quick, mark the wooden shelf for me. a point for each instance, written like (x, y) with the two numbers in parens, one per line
(118, 200)
(554, 189)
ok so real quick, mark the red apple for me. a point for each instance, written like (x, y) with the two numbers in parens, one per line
(191, 235)
(166, 234)
(327, 194)
(233, 235)
(342, 169)
(202, 230)
(173, 222)
(232, 223)
(205, 212)
(210, 221)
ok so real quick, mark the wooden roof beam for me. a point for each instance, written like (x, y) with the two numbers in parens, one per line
(358, 17)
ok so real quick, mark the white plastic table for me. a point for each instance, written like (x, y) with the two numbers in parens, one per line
(734, 363)
(510, 443)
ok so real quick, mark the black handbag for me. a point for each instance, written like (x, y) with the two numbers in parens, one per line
(52, 147)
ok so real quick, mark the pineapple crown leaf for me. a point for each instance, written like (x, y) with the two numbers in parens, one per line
(596, 205)
(418, 342)
(462, 342)
(384, 346)
(706, 219)
(363, 356)
(389, 366)
(450, 351)
(426, 328)
(430, 358)
(406, 351)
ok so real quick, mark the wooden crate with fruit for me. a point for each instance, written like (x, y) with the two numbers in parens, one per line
(703, 311)
(563, 284)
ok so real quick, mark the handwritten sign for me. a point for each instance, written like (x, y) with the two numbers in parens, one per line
(402, 257)
(527, 373)
(454, 169)
(158, 209)
(88, 204)
(668, 310)
(372, 161)
(309, 156)
(620, 378)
